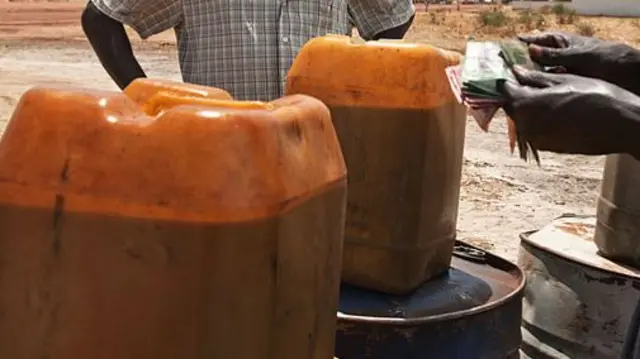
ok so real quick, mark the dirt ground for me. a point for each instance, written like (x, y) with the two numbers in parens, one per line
(502, 196)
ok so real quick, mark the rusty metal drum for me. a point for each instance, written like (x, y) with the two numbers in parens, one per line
(618, 228)
(577, 304)
(473, 311)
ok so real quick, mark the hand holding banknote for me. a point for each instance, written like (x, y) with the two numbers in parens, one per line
(563, 113)
(587, 56)
(571, 114)
(475, 82)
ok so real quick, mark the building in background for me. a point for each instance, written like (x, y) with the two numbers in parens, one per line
(626, 8)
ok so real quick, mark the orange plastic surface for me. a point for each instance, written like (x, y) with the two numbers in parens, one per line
(167, 100)
(198, 159)
(389, 74)
(140, 90)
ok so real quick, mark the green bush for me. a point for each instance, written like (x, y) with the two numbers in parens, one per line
(572, 17)
(532, 19)
(496, 18)
(541, 22)
(585, 29)
(560, 9)
(564, 14)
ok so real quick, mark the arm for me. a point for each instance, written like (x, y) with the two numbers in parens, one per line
(587, 56)
(565, 113)
(111, 43)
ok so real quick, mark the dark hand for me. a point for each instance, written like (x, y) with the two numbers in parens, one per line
(586, 56)
(570, 114)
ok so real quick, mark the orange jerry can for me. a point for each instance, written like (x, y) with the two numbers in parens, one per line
(203, 228)
(402, 136)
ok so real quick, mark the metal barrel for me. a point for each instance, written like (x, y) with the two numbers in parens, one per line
(618, 228)
(472, 312)
(577, 304)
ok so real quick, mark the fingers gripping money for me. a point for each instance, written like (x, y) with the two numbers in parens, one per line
(477, 80)
(562, 93)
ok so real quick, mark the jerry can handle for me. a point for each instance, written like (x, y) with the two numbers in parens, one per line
(468, 252)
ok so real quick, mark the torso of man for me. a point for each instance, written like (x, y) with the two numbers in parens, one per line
(243, 46)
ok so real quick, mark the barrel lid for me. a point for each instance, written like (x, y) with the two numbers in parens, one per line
(477, 280)
(571, 236)
(455, 291)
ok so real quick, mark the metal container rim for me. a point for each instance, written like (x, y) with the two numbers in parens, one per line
(518, 291)
(524, 239)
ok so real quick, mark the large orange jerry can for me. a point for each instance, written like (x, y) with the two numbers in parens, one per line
(203, 228)
(402, 136)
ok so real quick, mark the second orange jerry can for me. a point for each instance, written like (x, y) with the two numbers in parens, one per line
(402, 135)
(198, 228)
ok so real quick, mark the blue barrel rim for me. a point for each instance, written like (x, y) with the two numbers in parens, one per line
(515, 269)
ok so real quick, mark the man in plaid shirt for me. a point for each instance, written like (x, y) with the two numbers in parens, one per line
(243, 46)
(381, 19)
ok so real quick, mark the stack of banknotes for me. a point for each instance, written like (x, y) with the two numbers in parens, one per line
(476, 80)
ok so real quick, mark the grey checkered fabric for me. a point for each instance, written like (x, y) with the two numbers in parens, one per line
(243, 46)
(371, 17)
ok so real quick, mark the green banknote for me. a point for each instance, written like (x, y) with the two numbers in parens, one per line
(476, 80)
(482, 62)
(482, 68)
(488, 63)
(515, 52)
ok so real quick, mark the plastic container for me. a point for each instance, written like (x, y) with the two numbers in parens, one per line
(617, 232)
(211, 230)
(402, 134)
(141, 90)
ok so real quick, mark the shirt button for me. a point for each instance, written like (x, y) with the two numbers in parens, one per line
(285, 39)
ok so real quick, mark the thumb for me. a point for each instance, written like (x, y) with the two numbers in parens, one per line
(547, 39)
(514, 90)
(549, 56)
(537, 79)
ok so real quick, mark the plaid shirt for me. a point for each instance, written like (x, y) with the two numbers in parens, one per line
(243, 46)
(371, 17)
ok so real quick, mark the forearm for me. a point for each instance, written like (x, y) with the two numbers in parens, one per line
(112, 46)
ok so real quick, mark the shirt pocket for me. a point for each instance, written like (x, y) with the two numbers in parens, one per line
(333, 17)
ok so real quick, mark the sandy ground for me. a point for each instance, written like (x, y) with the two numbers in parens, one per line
(502, 196)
